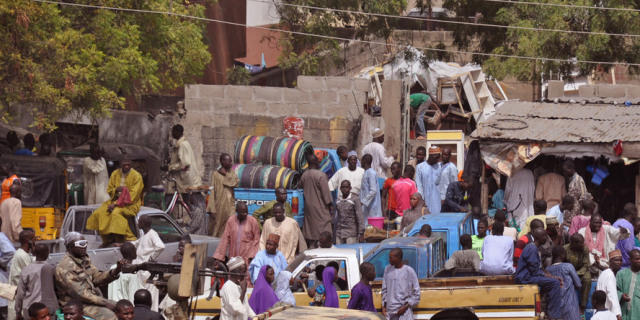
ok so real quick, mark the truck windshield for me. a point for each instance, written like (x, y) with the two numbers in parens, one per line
(297, 261)
(380, 260)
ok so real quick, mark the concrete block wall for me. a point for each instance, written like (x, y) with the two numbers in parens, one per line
(218, 115)
(622, 91)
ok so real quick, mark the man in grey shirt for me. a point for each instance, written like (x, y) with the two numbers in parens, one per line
(36, 284)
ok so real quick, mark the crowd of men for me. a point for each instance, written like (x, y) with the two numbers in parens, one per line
(548, 233)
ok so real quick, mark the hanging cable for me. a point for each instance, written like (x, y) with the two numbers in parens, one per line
(544, 59)
(381, 15)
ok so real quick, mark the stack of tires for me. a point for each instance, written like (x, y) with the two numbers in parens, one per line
(268, 162)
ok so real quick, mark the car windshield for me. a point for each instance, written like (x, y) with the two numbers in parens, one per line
(165, 229)
(80, 222)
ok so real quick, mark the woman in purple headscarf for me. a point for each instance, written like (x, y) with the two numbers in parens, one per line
(263, 297)
(331, 294)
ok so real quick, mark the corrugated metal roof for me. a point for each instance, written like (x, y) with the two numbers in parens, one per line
(551, 122)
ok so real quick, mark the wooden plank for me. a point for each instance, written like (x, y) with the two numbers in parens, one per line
(378, 88)
(484, 192)
(392, 100)
(192, 261)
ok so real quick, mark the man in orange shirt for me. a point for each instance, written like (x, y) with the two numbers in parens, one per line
(7, 183)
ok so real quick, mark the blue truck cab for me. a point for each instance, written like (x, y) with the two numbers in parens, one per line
(425, 255)
(255, 198)
(449, 226)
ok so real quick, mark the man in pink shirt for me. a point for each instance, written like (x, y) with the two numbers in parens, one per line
(403, 188)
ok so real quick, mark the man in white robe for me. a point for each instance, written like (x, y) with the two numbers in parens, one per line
(519, 195)
(234, 303)
(128, 283)
(149, 246)
(95, 177)
(448, 173)
(607, 282)
(377, 151)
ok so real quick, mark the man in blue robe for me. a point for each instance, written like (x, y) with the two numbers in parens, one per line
(427, 180)
(529, 271)
(269, 256)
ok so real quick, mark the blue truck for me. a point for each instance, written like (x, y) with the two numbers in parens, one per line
(255, 198)
(449, 226)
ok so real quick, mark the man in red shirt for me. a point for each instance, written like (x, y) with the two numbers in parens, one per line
(403, 188)
(396, 168)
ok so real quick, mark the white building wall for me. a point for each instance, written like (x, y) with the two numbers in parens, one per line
(261, 13)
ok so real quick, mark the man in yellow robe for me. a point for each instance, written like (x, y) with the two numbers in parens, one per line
(222, 201)
(111, 218)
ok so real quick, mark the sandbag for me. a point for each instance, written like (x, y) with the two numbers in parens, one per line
(282, 151)
(266, 176)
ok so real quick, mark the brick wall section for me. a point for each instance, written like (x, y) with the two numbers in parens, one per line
(219, 115)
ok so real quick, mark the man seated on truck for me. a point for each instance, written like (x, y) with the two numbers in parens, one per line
(497, 252)
(111, 219)
(529, 271)
(467, 258)
(78, 278)
(265, 212)
(526, 239)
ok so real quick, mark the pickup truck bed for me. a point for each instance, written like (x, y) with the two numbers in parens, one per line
(103, 258)
(489, 297)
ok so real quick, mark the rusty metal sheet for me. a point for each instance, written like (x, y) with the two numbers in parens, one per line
(551, 122)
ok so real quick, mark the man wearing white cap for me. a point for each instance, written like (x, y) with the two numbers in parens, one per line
(235, 305)
(375, 148)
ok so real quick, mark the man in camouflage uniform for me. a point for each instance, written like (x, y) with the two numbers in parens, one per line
(77, 278)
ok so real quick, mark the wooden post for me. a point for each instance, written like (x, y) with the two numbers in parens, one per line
(638, 192)
(484, 191)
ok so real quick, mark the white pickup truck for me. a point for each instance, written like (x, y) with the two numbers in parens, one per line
(75, 219)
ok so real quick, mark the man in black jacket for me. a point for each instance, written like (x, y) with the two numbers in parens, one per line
(142, 309)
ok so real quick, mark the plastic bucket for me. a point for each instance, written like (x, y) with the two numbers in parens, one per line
(377, 222)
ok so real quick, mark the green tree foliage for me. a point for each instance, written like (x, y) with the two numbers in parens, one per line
(584, 47)
(60, 59)
(309, 54)
(238, 76)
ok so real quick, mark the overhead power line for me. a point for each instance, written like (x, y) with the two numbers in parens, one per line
(474, 24)
(572, 6)
(333, 37)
